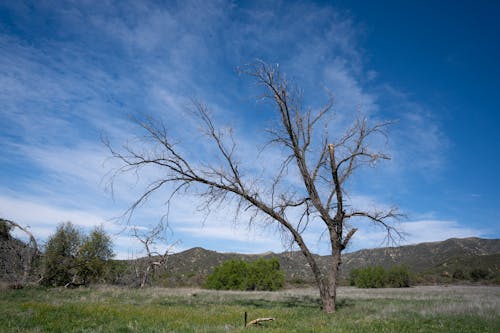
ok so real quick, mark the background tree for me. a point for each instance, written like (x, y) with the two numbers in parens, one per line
(60, 259)
(16, 253)
(153, 239)
(93, 256)
(323, 162)
(72, 258)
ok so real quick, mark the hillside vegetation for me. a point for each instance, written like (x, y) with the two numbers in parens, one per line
(481, 268)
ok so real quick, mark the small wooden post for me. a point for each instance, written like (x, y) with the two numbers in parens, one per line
(246, 319)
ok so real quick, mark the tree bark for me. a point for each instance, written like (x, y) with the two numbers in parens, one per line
(328, 287)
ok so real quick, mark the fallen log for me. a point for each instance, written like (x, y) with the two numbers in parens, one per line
(258, 321)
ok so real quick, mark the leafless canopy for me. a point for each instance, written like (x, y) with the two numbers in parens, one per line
(323, 165)
(155, 258)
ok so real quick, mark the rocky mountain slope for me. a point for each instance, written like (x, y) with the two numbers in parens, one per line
(192, 266)
(422, 256)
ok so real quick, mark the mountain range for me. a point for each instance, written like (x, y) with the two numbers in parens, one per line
(447, 261)
(190, 267)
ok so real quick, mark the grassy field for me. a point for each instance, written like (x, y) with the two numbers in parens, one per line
(110, 309)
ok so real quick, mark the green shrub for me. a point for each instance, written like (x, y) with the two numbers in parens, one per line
(353, 275)
(398, 277)
(378, 277)
(477, 274)
(265, 274)
(261, 274)
(231, 275)
(72, 257)
(371, 277)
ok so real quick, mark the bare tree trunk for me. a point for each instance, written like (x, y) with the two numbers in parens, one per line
(328, 285)
(329, 301)
(333, 281)
(145, 275)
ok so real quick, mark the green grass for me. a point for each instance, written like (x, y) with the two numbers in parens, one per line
(110, 309)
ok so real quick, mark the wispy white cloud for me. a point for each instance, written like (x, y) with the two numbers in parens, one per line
(415, 232)
(436, 230)
(42, 217)
(418, 142)
(128, 58)
(225, 232)
(33, 213)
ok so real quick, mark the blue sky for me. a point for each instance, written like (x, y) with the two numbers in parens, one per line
(71, 72)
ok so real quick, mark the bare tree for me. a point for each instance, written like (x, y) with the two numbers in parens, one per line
(323, 163)
(155, 259)
(19, 252)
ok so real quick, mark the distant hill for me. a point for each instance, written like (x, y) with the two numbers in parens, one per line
(422, 256)
(192, 266)
(437, 262)
(480, 268)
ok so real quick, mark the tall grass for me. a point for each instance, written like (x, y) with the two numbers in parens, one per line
(112, 309)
